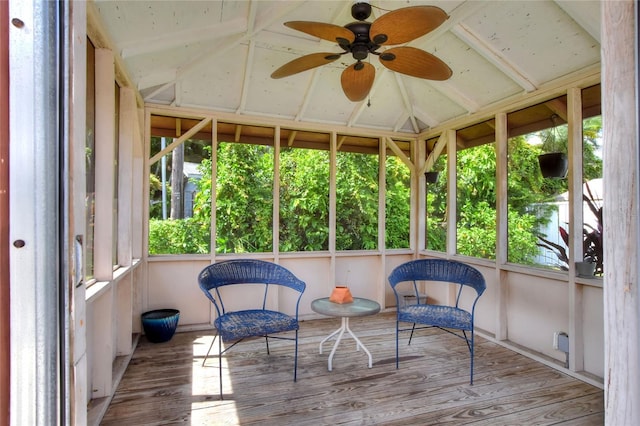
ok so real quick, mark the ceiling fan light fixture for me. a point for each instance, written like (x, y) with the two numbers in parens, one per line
(386, 56)
(380, 38)
(343, 43)
(359, 51)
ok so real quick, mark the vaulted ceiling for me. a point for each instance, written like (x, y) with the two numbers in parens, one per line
(219, 56)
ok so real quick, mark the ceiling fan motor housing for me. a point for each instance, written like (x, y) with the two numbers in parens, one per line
(362, 44)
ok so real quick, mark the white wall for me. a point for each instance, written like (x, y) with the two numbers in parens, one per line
(536, 306)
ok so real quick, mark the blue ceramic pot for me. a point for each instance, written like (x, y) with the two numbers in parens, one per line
(160, 325)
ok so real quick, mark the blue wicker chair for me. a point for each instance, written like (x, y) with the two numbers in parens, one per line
(446, 318)
(235, 326)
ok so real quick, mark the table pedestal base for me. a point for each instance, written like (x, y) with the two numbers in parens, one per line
(340, 332)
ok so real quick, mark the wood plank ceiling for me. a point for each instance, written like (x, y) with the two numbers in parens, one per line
(218, 56)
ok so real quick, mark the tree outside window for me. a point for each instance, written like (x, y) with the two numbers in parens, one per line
(398, 203)
(178, 223)
(357, 201)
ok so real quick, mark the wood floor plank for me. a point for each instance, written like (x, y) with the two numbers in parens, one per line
(166, 383)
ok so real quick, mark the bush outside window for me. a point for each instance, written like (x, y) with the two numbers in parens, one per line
(476, 202)
(543, 203)
(304, 200)
(397, 203)
(356, 201)
(244, 198)
(178, 223)
(436, 208)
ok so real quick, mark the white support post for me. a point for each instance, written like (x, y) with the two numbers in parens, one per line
(576, 337)
(620, 209)
(104, 167)
(502, 238)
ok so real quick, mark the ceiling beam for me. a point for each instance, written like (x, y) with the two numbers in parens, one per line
(440, 145)
(306, 99)
(406, 102)
(580, 14)
(470, 37)
(583, 78)
(177, 39)
(244, 91)
(99, 37)
(424, 117)
(292, 138)
(195, 129)
(401, 155)
(222, 48)
(449, 89)
(248, 66)
(262, 120)
(400, 121)
(157, 78)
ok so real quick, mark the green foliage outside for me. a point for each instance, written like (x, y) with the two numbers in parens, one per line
(304, 200)
(397, 204)
(476, 198)
(436, 208)
(356, 201)
(179, 236)
(244, 206)
(244, 203)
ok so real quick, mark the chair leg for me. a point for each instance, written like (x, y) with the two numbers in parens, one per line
(466, 339)
(397, 350)
(295, 360)
(471, 350)
(266, 339)
(470, 346)
(220, 365)
(210, 346)
(412, 330)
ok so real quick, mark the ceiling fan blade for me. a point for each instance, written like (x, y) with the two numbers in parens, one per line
(324, 31)
(406, 24)
(357, 80)
(304, 63)
(415, 62)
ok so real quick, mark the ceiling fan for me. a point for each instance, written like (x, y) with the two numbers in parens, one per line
(361, 38)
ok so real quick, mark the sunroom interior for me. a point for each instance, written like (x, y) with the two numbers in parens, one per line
(178, 72)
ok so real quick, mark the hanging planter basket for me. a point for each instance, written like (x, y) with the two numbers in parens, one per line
(585, 269)
(432, 177)
(554, 164)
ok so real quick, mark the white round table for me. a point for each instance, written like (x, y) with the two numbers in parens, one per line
(358, 308)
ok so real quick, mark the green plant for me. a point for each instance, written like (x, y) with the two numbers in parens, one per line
(592, 247)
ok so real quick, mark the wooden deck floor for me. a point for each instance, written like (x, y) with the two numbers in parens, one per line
(165, 383)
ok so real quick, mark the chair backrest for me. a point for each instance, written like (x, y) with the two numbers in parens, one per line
(246, 271)
(450, 271)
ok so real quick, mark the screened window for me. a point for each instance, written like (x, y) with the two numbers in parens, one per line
(537, 205)
(357, 201)
(436, 206)
(244, 198)
(90, 158)
(116, 153)
(180, 224)
(593, 226)
(476, 201)
(304, 199)
(398, 203)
